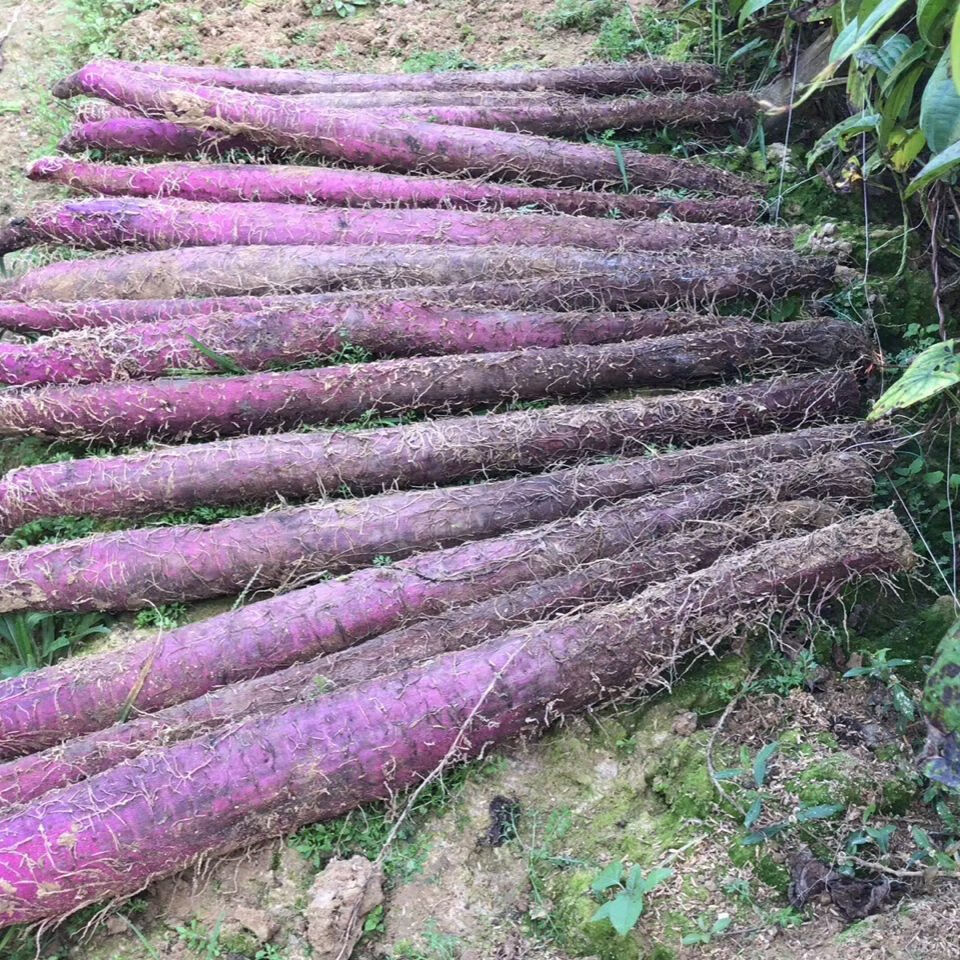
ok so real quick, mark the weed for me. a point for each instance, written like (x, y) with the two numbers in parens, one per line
(201, 941)
(365, 831)
(436, 946)
(430, 60)
(166, 616)
(582, 15)
(29, 641)
(624, 909)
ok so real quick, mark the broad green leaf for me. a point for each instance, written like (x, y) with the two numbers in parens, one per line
(940, 108)
(753, 814)
(655, 877)
(623, 912)
(887, 55)
(860, 31)
(931, 372)
(932, 20)
(901, 95)
(760, 764)
(634, 880)
(914, 54)
(837, 134)
(898, 103)
(608, 877)
(938, 167)
(955, 50)
(822, 811)
(750, 8)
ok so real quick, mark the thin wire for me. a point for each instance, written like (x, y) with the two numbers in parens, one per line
(786, 134)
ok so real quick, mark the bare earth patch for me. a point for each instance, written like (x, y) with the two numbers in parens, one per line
(383, 38)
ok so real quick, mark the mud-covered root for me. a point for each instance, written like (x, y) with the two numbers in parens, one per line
(376, 738)
(144, 567)
(591, 79)
(531, 275)
(105, 224)
(263, 339)
(590, 580)
(287, 183)
(221, 406)
(299, 465)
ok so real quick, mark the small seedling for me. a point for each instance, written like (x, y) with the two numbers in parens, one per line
(626, 907)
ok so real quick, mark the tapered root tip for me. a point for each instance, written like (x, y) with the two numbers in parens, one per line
(44, 168)
(14, 236)
(66, 87)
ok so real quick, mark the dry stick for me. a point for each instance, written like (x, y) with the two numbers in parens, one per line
(590, 580)
(220, 406)
(591, 79)
(296, 465)
(552, 273)
(368, 141)
(80, 695)
(316, 761)
(137, 568)
(106, 224)
(286, 183)
(263, 339)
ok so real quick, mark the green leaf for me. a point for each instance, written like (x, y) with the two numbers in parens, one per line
(934, 370)
(859, 32)
(885, 57)
(940, 166)
(916, 52)
(731, 773)
(226, 364)
(837, 134)
(822, 811)
(655, 877)
(940, 108)
(897, 104)
(760, 764)
(750, 8)
(932, 20)
(764, 834)
(623, 912)
(721, 924)
(753, 814)
(608, 877)
(955, 50)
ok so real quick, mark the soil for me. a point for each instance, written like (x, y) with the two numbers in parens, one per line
(30, 119)
(415, 34)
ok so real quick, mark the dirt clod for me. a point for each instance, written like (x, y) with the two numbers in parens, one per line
(341, 896)
(504, 817)
(258, 922)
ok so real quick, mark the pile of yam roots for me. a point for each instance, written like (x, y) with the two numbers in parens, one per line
(684, 475)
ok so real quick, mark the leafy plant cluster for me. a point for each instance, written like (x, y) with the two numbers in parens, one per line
(902, 63)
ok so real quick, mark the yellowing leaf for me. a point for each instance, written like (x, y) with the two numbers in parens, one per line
(931, 372)
(905, 148)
